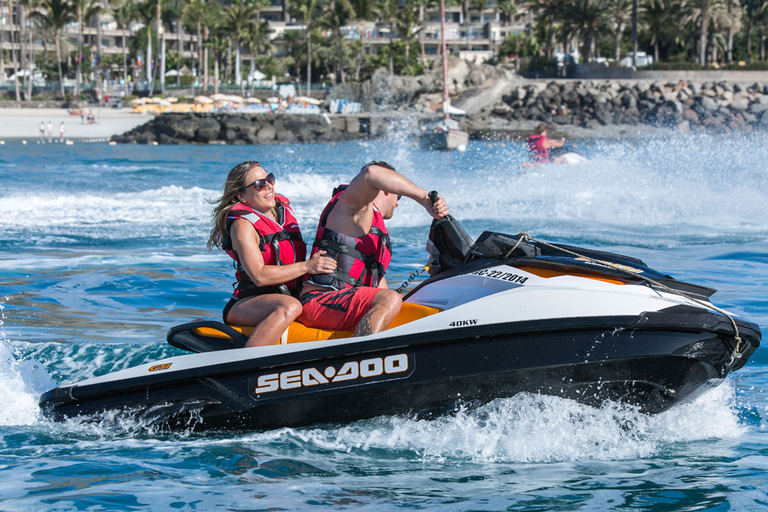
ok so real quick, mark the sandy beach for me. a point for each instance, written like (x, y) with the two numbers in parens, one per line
(24, 123)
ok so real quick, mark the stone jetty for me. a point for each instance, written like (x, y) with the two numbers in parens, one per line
(684, 105)
(241, 128)
(498, 106)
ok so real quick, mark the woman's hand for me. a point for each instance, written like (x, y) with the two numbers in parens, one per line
(319, 264)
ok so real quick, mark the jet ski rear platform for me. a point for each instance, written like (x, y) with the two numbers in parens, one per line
(500, 315)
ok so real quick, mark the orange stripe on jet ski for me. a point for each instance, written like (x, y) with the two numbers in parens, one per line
(547, 273)
(299, 333)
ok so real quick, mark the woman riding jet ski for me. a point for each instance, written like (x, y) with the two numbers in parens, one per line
(499, 315)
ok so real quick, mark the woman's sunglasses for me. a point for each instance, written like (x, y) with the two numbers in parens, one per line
(261, 184)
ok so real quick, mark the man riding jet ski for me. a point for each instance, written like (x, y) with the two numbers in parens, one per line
(499, 315)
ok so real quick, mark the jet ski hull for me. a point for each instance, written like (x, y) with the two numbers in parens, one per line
(501, 316)
(640, 361)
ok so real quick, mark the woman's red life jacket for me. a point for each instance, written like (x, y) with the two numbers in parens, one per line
(536, 148)
(280, 243)
(360, 261)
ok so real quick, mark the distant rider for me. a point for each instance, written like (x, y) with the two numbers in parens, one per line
(539, 144)
(352, 230)
(256, 227)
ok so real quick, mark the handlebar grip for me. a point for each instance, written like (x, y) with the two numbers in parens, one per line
(433, 196)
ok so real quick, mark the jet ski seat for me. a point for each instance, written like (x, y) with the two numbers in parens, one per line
(209, 336)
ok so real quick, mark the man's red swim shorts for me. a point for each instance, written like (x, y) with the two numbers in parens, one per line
(337, 310)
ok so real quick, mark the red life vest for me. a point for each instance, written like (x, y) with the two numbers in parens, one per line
(280, 243)
(360, 261)
(536, 148)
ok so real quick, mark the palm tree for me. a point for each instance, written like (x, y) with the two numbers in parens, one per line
(586, 16)
(238, 18)
(85, 10)
(305, 11)
(54, 15)
(30, 6)
(218, 43)
(718, 21)
(124, 14)
(655, 16)
(193, 15)
(508, 9)
(408, 28)
(734, 10)
(339, 14)
(722, 19)
(547, 10)
(390, 12)
(365, 10)
(257, 37)
(211, 22)
(703, 37)
(753, 11)
(619, 13)
(13, 52)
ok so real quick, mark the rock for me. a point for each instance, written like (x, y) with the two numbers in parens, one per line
(690, 115)
(208, 129)
(707, 103)
(286, 136)
(266, 134)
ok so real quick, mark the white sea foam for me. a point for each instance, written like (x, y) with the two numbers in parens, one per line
(21, 382)
(533, 428)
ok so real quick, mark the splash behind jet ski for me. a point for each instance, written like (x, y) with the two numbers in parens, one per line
(499, 315)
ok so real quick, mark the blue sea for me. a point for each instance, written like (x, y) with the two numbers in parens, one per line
(102, 250)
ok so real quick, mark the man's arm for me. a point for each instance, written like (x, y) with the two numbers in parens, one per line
(550, 143)
(364, 188)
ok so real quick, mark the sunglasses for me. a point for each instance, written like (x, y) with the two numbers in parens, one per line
(261, 184)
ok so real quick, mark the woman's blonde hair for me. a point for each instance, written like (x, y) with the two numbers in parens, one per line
(232, 187)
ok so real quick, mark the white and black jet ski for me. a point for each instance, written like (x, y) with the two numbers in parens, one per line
(499, 316)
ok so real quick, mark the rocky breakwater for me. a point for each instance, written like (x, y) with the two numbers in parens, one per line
(237, 128)
(710, 106)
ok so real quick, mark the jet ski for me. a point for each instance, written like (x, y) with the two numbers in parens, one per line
(499, 315)
(568, 154)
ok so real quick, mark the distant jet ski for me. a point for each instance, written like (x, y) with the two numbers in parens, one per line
(499, 315)
(569, 154)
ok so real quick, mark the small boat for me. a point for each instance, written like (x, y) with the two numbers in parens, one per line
(499, 315)
(446, 134)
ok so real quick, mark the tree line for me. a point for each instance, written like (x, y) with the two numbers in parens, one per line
(330, 45)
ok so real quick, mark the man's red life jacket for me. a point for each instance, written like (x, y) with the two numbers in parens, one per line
(536, 148)
(360, 261)
(280, 243)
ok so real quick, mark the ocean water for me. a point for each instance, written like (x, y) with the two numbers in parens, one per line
(102, 249)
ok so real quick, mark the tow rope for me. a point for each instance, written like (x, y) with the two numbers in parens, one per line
(735, 355)
(414, 275)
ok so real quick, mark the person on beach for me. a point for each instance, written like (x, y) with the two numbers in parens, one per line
(42, 131)
(352, 231)
(256, 227)
(61, 131)
(539, 144)
(50, 131)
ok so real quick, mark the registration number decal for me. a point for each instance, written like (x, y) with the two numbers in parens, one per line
(504, 276)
